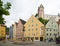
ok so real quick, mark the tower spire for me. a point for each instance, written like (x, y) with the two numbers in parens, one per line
(41, 6)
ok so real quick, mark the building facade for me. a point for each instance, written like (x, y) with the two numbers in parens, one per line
(11, 32)
(19, 28)
(41, 11)
(34, 29)
(14, 31)
(2, 31)
(46, 16)
(51, 29)
(59, 26)
(18, 32)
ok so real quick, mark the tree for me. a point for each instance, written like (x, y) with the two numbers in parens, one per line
(4, 10)
(36, 15)
(44, 21)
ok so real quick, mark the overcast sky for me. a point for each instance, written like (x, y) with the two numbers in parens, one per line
(25, 8)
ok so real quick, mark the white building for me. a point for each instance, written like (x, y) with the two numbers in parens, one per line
(46, 16)
(51, 29)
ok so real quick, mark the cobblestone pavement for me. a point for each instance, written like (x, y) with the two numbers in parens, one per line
(36, 43)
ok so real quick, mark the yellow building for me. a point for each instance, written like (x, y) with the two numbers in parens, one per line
(2, 31)
(34, 29)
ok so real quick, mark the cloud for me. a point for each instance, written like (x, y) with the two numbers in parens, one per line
(25, 8)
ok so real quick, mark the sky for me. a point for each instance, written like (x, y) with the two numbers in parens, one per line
(24, 9)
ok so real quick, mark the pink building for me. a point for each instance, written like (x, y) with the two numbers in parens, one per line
(19, 33)
(59, 26)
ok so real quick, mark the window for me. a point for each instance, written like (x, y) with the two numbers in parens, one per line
(47, 29)
(36, 29)
(47, 38)
(29, 25)
(36, 24)
(32, 29)
(55, 34)
(58, 33)
(47, 33)
(52, 25)
(54, 29)
(55, 25)
(32, 25)
(52, 22)
(50, 34)
(28, 29)
(50, 29)
(34, 34)
(32, 20)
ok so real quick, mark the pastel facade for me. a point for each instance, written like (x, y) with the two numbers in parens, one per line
(51, 29)
(59, 26)
(11, 32)
(18, 32)
(14, 31)
(34, 29)
(2, 31)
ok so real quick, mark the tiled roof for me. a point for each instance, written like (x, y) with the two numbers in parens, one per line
(23, 22)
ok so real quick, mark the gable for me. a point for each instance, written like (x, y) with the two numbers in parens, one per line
(52, 23)
(19, 23)
(33, 20)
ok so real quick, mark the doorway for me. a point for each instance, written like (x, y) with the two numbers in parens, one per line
(41, 38)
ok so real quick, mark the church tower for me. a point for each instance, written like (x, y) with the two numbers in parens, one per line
(41, 11)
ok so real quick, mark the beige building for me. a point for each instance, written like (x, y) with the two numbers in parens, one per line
(14, 31)
(34, 29)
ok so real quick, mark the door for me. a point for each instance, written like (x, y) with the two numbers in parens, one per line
(41, 38)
